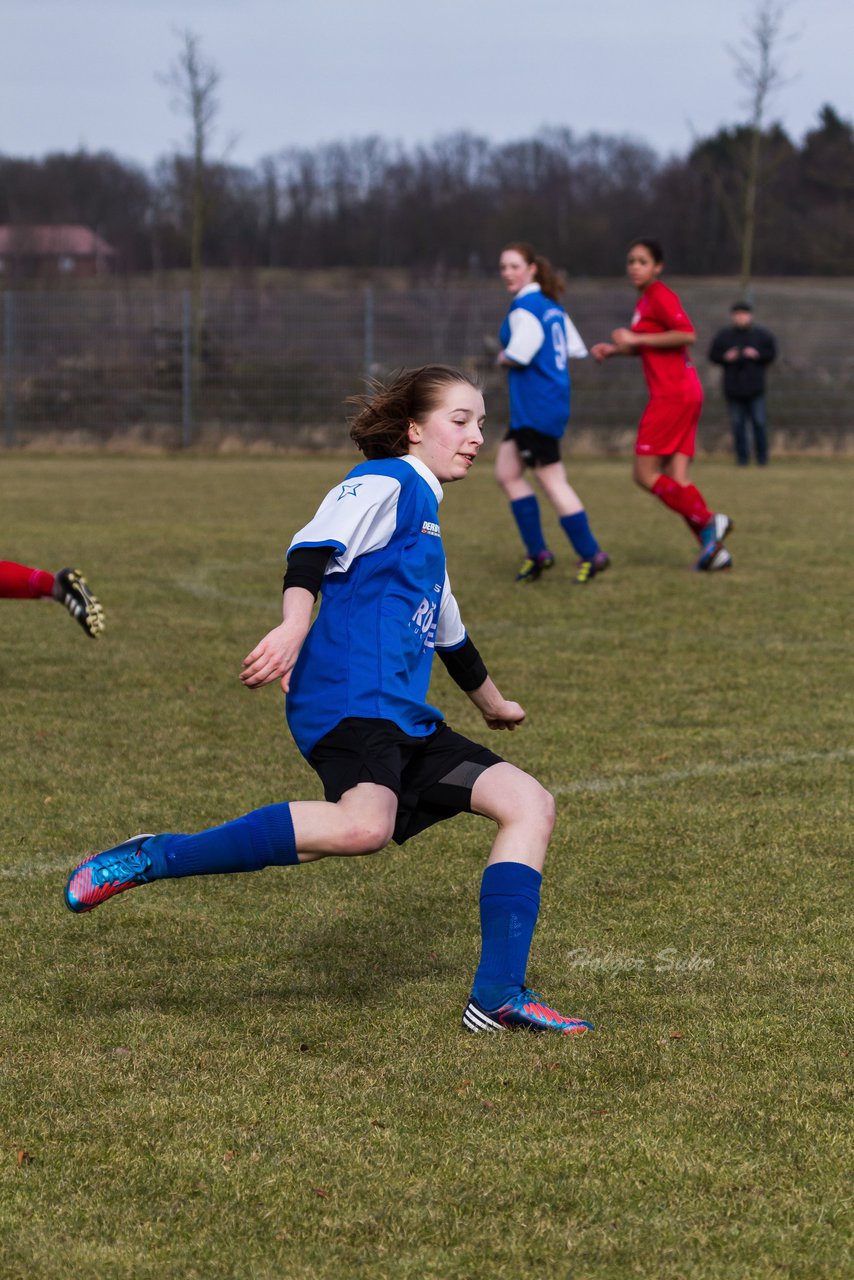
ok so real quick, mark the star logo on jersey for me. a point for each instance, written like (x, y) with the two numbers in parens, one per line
(348, 489)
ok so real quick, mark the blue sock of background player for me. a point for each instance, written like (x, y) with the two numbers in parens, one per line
(526, 513)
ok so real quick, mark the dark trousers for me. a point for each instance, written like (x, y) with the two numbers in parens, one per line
(743, 411)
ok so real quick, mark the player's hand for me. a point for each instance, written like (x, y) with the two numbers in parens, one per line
(751, 353)
(731, 355)
(505, 715)
(600, 351)
(624, 339)
(273, 658)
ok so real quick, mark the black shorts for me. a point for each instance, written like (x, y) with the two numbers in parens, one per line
(536, 449)
(432, 777)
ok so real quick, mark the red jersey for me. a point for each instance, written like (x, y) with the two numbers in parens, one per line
(668, 371)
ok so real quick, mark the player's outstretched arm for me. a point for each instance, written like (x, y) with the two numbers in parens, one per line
(627, 342)
(274, 657)
(503, 361)
(496, 710)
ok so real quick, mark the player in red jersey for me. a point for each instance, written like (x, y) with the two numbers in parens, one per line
(660, 334)
(68, 587)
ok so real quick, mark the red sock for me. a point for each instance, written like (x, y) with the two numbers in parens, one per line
(20, 582)
(684, 498)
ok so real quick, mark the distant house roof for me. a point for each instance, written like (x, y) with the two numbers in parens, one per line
(65, 241)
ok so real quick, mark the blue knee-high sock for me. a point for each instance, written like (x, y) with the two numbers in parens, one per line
(526, 513)
(263, 838)
(577, 529)
(509, 905)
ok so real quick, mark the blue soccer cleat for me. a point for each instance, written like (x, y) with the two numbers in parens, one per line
(711, 537)
(716, 529)
(527, 1010)
(720, 560)
(103, 875)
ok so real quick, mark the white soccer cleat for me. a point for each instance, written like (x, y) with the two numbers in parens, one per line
(720, 560)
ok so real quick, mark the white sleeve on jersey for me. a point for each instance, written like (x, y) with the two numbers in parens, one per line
(527, 335)
(575, 348)
(450, 632)
(358, 516)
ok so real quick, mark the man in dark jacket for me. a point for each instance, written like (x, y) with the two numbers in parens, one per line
(744, 349)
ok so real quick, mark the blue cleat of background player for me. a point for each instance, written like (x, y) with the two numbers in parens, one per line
(713, 555)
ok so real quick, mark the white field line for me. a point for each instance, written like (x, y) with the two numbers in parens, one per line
(712, 769)
(636, 781)
(199, 584)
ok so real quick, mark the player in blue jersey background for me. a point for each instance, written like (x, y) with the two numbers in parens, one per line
(356, 686)
(538, 339)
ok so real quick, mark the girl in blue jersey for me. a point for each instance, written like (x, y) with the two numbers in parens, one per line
(356, 684)
(537, 340)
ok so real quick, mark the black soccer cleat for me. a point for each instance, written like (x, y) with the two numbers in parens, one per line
(587, 569)
(533, 566)
(71, 589)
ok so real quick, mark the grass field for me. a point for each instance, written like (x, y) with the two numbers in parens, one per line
(263, 1076)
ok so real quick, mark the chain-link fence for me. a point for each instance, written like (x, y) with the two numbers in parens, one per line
(276, 365)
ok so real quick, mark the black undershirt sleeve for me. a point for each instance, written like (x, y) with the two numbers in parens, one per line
(306, 567)
(465, 666)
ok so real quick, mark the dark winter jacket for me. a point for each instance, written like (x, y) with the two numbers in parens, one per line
(743, 378)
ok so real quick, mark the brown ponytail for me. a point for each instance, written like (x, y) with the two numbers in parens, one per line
(548, 278)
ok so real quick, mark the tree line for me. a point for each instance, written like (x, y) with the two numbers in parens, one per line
(448, 206)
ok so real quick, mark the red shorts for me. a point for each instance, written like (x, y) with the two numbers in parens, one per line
(669, 424)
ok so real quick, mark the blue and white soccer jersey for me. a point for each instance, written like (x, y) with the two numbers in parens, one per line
(386, 603)
(538, 335)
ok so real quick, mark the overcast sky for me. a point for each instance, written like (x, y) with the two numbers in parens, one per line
(83, 73)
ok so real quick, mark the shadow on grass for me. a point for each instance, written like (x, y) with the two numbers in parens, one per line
(276, 955)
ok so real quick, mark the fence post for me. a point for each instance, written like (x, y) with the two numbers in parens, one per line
(9, 368)
(368, 360)
(186, 371)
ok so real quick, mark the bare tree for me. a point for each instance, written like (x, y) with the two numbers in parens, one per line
(193, 82)
(758, 69)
